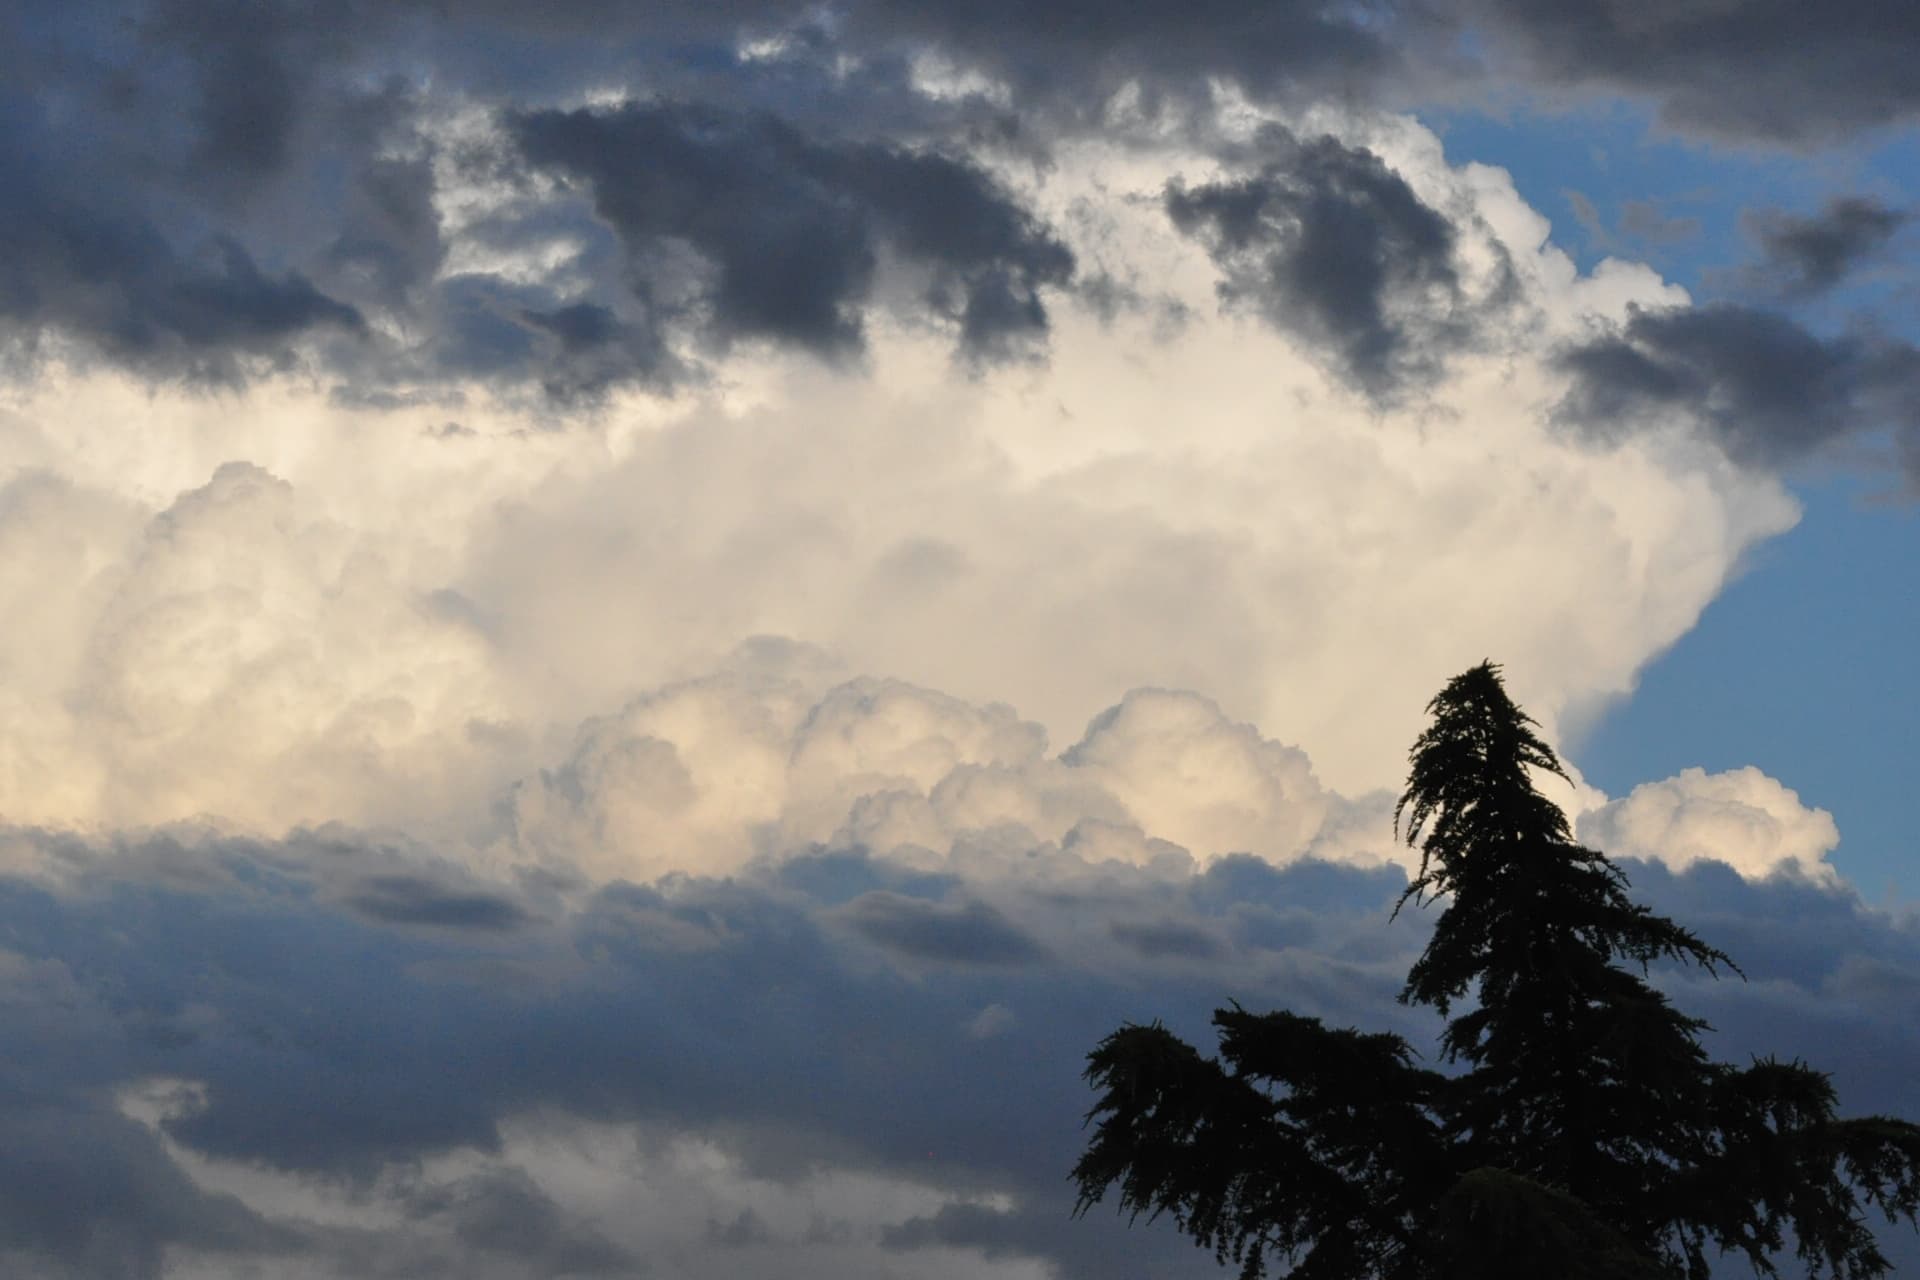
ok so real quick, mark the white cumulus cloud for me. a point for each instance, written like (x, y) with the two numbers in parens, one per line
(1741, 817)
(271, 608)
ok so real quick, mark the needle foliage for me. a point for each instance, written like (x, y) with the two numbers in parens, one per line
(1576, 1127)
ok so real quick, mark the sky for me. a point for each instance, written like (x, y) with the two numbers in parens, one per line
(631, 627)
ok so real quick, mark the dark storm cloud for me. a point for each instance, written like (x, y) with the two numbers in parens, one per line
(325, 1043)
(83, 262)
(86, 1192)
(1335, 889)
(129, 137)
(1333, 247)
(388, 244)
(745, 1229)
(1065, 55)
(1032, 1230)
(250, 87)
(246, 92)
(1765, 388)
(214, 189)
(590, 349)
(337, 1046)
(1775, 71)
(1768, 70)
(1804, 256)
(1829, 980)
(255, 173)
(419, 900)
(1165, 939)
(792, 228)
(211, 95)
(505, 1213)
(483, 328)
(971, 933)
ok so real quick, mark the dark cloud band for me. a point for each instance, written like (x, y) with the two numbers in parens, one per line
(1805, 256)
(791, 229)
(319, 1037)
(1755, 381)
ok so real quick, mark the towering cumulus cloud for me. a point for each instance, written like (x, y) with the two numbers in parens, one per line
(629, 627)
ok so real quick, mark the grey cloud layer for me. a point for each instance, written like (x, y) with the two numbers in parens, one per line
(1758, 382)
(1765, 388)
(1333, 247)
(85, 259)
(1804, 256)
(835, 1008)
(336, 1046)
(1771, 70)
(211, 190)
(792, 228)
(212, 194)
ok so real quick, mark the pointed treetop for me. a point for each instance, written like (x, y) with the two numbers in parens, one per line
(1469, 778)
(1589, 1135)
(1505, 856)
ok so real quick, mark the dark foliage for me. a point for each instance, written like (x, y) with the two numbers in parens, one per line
(1580, 1130)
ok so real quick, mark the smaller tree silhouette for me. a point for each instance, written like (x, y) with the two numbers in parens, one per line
(1583, 1131)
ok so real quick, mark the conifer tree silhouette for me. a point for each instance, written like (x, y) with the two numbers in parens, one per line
(1582, 1131)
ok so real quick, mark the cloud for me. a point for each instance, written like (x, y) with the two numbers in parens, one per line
(273, 1080)
(1044, 58)
(597, 350)
(544, 773)
(1165, 940)
(504, 1212)
(1767, 390)
(1741, 817)
(406, 899)
(1588, 216)
(346, 147)
(1765, 71)
(234, 634)
(1758, 71)
(383, 619)
(248, 88)
(107, 278)
(148, 161)
(970, 934)
(388, 245)
(86, 1194)
(1646, 220)
(334, 187)
(1805, 256)
(474, 1031)
(345, 190)
(1187, 773)
(768, 753)
(790, 229)
(1642, 224)
(1331, 246)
